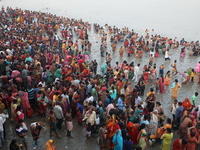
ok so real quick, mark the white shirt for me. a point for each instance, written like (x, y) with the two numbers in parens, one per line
(136, 70)
(166, 54)
(152, 53)
(174, 108)
(89, 99)
(138, 100)
(58, 112)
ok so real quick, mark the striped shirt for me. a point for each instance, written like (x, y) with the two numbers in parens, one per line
(31, 93)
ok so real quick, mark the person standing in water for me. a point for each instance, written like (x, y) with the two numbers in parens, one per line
(167, 54)
(174, 69)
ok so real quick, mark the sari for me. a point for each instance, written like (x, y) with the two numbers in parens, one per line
(167, 79)
(49, 145)
(133, 131)
(162, 85)
(142, 139)
(118, 140)
(186, 104)
(192, 142)
(175, 88)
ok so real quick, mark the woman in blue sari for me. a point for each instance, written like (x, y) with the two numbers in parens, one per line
(118, 140)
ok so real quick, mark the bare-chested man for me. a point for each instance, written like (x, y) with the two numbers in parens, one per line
(174, 69)
(157, 84)
(184, 125)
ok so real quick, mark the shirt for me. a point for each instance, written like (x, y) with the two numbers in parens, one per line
(138, 100)
(108, 108)
(58, 112)
(127, 145)
(136, 70)
(120, 104)
(174, 108)
(194, 99)
(179, 112)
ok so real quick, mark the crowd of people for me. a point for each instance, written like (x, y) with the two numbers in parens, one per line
(46, 69)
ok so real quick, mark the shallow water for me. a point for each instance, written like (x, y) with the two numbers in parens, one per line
(172, 18)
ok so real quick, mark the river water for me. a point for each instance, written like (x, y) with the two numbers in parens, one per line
(171, 18)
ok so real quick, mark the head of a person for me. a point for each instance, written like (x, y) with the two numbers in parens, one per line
(151, 89)
(142, 126)
(175, 101)
(128, 138)
(169, 130)
(158, 104)
(13, 142)
(176, 80)
(169, 121)
(38, 127)
(196, 94)
(179, 103)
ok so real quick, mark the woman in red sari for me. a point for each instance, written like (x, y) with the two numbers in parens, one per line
(192, 140)
(186, 104)
(180, 144)
(133, 131)
(162, 84)
(112, 126)
(146, 76)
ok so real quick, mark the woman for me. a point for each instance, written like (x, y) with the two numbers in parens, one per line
(180, 144)
(192, 140)
(153, 122)
(68, 122)
(118, 140)
(151, 99)
(133, 130)
(126, 71)
(167, 78)
(18, 113)
(141, 85)
(131, 70)
(182, 54)
(146, 76)
(128, 93)
(141, 138)
(175, 88)
(197, 68)
(167, 139)
(50, 146)
(161, 114)
(43, 101)
(162, 84)
(186, 104)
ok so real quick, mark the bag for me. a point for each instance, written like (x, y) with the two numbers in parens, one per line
(29, 112)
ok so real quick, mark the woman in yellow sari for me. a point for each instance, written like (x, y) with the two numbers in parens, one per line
(49, 145)
(175, 88)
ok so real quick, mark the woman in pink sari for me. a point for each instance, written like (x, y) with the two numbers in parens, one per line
(162, 84)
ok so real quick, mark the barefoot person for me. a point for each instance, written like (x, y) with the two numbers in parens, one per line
(68, 122)
(52, 120)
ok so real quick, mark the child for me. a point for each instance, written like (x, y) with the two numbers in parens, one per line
(127, 144)
(102, 136)
(88, 131)
(79, 117)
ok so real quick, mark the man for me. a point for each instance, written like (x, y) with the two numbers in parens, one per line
(52, 121)
(178, 114)
(89, 98)
(167, 55)
(174, 69)
(136, 73)
(95, 65)
(31, 97)
(184, 125)
(108, 108)
(194, 98)
(173, 108)
(138, 100)
(59, 115)
(24, 78)
(120, 102)
(35, 131)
